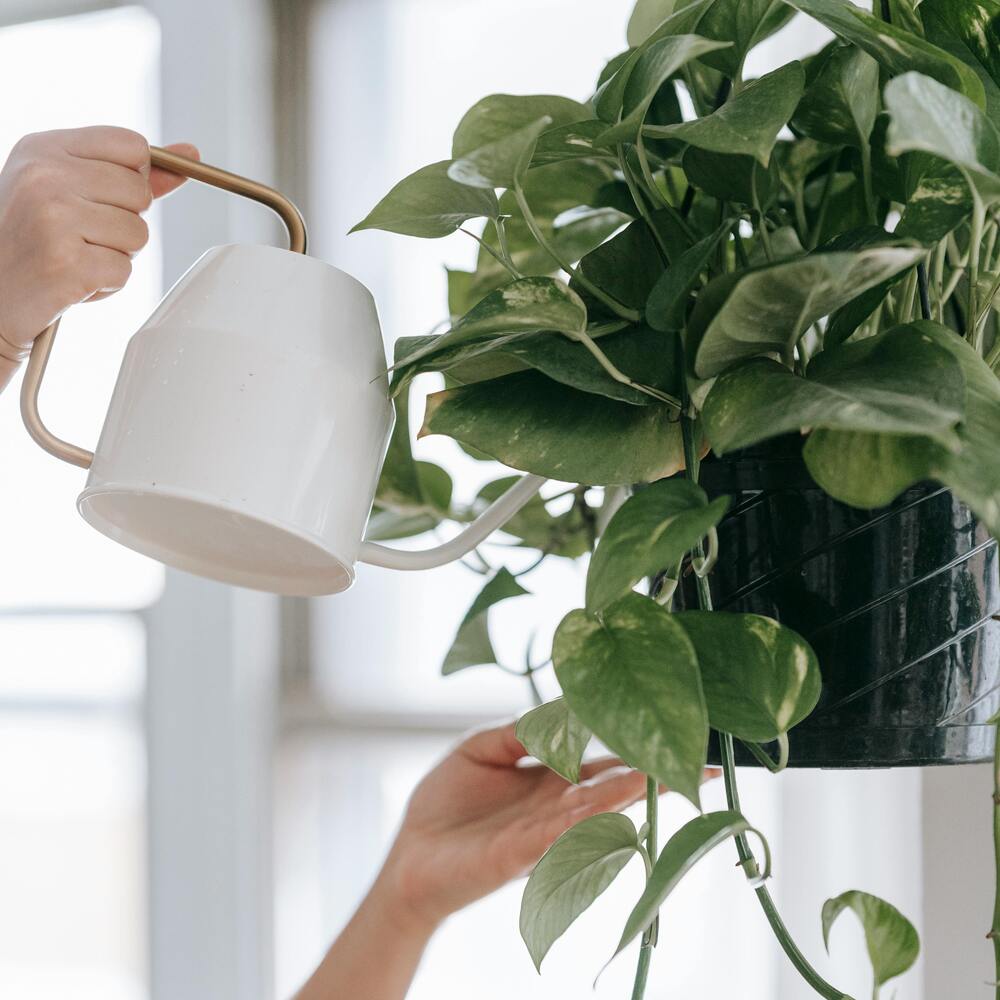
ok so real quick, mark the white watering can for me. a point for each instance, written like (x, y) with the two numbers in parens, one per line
(250, 420)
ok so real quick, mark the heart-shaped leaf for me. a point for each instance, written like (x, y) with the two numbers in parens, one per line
(680, 854)
(744, 23)
(926, 116)
(472, 646)
(869, 470)
(892, 941)
(939, 203)
(900, 381)
(841, 103)
(766, 310)
(657, 64)
(652, 530)
(497, 116)
(572, 873)
(429, 203)
(749, 122)
(501, 163)
(898, 50)
(632, 673)
(553, 734)
(760, 679)
(531, 423)
(625, 267)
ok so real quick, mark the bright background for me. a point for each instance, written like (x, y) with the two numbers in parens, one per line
(198, 783)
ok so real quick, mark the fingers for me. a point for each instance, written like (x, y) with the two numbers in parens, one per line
(112, 184)
(497, 746)
(102, 271)
(107, 143)
(114, 228)
(163, 182)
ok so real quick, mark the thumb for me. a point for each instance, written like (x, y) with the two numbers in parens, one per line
(162, 181)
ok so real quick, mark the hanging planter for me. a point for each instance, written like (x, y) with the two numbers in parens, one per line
(773, 305)
(900, 604)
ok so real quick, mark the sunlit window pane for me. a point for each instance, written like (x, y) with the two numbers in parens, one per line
(107, 74)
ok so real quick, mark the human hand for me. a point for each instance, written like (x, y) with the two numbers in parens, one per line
(71, 204)
(481, 818)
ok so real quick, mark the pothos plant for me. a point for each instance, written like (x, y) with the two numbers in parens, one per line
(690, 260)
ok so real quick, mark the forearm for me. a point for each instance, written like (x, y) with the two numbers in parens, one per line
(375, 956)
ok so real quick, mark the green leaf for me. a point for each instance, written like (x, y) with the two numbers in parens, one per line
(387, 525)
(900, 381)
(760, 678)
(626, 267)
(657, 64)
(495, 117)
(631, 674)
(429, 203)
(569, 142)
(940, 202)
(744, 23)
(767, 309)
(460, 295)
(969, 30)
(572, 873)
(841, 104)
(555, 736)
(926, 116)
(398, 485)
(892, 941)
(869, 470)
(666, 307)
(501, 163)
(731, 178)
(435, 485)
(652, 530)
(644, 354)
(472, 646)
(610, 97)
(896, 49)
(555, 192)
(528, 305)
(749, 122)
(680, 854)
(531, 423)
(646, 17)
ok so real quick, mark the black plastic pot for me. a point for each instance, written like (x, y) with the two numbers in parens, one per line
(901, 605)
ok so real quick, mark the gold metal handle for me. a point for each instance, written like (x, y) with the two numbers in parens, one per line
(42, 348)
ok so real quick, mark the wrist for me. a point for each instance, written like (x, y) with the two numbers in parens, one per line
(395, 901)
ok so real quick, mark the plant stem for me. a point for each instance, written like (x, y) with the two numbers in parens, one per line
(632, 315)
(994, 934)
(536, 694)
(640, 203)
(866, 178)
(746, 856)
(500, 257)
(975, 239)
(925, 298)
(824, 201)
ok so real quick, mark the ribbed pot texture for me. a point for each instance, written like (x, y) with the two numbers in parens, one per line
(901, 604)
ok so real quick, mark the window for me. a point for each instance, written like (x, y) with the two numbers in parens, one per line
(72, 649)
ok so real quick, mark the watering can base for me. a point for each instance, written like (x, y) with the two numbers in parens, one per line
(215, 539)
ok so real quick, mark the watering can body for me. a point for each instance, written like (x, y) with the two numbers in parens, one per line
(248, 425)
